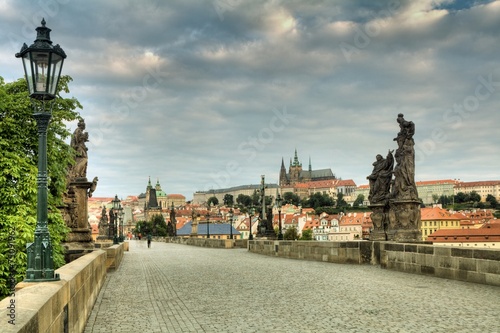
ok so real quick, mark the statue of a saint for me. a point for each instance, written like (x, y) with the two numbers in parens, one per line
(78, 144)
(380, 178)
(406, 132)
(404, 187)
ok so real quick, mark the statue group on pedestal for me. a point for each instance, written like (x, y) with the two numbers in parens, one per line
(393, 193)
(382, 185)
(75, 209)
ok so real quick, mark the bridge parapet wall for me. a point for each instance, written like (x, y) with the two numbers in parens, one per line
(471, 265)
(209, 242)
(336, 252)
(60, 306)
(464, 264)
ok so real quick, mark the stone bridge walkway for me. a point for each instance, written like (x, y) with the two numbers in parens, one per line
(179, 288)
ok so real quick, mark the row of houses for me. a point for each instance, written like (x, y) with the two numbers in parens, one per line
(427, 190)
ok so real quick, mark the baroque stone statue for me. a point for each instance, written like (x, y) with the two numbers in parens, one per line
(380, 178)
(78, 140)
(394, 200)
(404, 187)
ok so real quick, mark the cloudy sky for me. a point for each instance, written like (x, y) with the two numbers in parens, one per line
(212, 94)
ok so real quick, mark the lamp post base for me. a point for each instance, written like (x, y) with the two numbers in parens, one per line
(40, 260)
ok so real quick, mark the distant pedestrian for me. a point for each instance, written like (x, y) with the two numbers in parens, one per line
(149, 240)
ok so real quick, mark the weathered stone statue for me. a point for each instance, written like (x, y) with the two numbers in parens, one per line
(404, 187)
(265, 228)
(78, 140)
(103, 225)
(380, 179)
(93, 186)
(79, 240)
(394, 201)
(171, 226)
(112, 226)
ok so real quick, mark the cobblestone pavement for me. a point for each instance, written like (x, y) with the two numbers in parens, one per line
(180, 288)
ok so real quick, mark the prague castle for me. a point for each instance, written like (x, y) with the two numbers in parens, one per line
(297, 175)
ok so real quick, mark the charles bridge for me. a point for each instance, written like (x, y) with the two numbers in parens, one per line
(209, 285)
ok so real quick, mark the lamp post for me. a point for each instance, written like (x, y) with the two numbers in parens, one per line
(230, 216)
(279, 204)
(116, 209)
(208, 224)
(250, 213)
(120, 217)
(42, 65)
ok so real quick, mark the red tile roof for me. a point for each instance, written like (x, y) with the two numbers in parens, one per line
(479, 183)
(436, 213)
(436, 182)
(487, 233)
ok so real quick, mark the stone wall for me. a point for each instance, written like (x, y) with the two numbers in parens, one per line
(61, 306)
(214, 243)
(114, 255)
(472, 265)
(337, 252)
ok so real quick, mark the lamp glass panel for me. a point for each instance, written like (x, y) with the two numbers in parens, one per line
(40, 64)
(55, 72)
(28, 72)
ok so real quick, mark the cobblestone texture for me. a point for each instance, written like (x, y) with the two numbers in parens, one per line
(179, 288)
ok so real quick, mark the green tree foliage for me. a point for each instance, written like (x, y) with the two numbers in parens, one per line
(228, 200)
(158, 225)
(18, 172)
(359, 200)
(307, 234)
(213, 200)
(492, 200)
(474, 196)
(317, 200)
(435, 198)
(341, 203)
(244, 200)
(461, 197)
(291, 234)
(143, 228)
(255, 198)
(291, 198)
(445, 200)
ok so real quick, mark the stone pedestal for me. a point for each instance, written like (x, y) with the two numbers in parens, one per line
(79, 240)
(404, 221)
(265, 230)
(379, 218)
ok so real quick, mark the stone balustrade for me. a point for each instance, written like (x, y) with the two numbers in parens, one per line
(60, 306)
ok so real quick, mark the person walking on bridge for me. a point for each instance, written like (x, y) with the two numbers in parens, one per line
(149, 240)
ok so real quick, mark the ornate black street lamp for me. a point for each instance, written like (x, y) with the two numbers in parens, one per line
(120, 216)
(116, 209)
(279, 204)
(208, 224)
(230, 218)
(42, 64)
(250, 213)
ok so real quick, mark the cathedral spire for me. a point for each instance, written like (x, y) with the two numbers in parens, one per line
(283, 177)
(149, 183)
(295, 158)
(310, 167)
